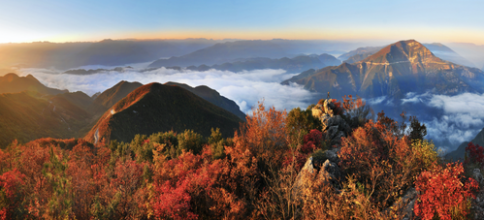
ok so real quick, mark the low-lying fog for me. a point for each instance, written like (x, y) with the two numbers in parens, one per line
(450, 120)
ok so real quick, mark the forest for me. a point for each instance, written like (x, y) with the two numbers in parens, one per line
(262, 172)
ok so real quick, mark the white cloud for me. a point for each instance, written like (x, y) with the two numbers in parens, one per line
(245, 88)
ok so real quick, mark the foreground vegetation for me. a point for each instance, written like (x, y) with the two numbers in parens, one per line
(253, 175)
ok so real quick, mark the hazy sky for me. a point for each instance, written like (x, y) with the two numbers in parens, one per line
(93, 20)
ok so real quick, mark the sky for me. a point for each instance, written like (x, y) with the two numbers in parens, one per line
(94, 20)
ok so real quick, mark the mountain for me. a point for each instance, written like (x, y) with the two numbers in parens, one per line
(459, 153)
(395, 70)
(358, 54)
(79, 99)
(111, 96)
(437, 49)
(30, 115)
(231, 51)
(154, 108)
(448, 54)
(12, 83)
(106, 52)
(213, 97)
(472, 52)
(291, 65)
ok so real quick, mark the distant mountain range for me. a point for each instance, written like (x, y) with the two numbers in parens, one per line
(106, 52)
(437, 49)
(30, 110)
(291, 65)
(231, 51)
(406, 66)
(155, 107)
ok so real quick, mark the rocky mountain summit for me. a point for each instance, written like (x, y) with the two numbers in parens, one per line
(325, 167)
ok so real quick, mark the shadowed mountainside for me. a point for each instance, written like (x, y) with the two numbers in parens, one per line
(26, 116)
(213, 97)
(154, 108)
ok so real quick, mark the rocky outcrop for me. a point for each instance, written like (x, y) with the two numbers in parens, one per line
(334, 126)
(329, 172)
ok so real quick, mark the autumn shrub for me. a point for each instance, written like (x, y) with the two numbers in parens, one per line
(10, 184)
(444, 193)
(474, 154)
(265, 136)
(301, 121)
(190, 141)
(311, 142)
(382, 162)
(353, 201)
(355, 111)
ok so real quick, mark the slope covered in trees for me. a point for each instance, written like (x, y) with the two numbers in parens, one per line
(257, 174)
(155, 107)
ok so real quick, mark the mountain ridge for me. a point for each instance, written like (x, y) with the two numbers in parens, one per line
(399, 68)
(154, 108)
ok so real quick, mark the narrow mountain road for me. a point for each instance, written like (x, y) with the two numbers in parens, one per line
(385, 64)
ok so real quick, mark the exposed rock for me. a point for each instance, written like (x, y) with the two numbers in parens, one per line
(406, 204)
(332, 155)
(305, 176)
(330, 172)
(334, 127)
(477, 175)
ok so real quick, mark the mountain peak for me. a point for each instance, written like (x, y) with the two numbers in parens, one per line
(403, 51)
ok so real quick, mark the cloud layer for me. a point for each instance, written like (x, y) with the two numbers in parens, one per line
(459, 118)
(245, 88)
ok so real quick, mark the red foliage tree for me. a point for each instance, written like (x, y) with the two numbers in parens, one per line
(475, 154)
(443, 194)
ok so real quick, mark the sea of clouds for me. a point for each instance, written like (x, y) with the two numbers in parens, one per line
(450, 120)
(246, 88)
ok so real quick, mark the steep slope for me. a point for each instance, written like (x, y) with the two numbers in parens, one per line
(108, 98)
(29, 115)
(406, 66)
(12, 83)
(459, 153)
(213, 97)
(154, 108)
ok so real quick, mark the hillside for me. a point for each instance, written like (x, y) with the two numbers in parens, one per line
(12, 83)
(27, 116)
(399, 68)
(108, 98)
(213, 97)
(154, 108)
